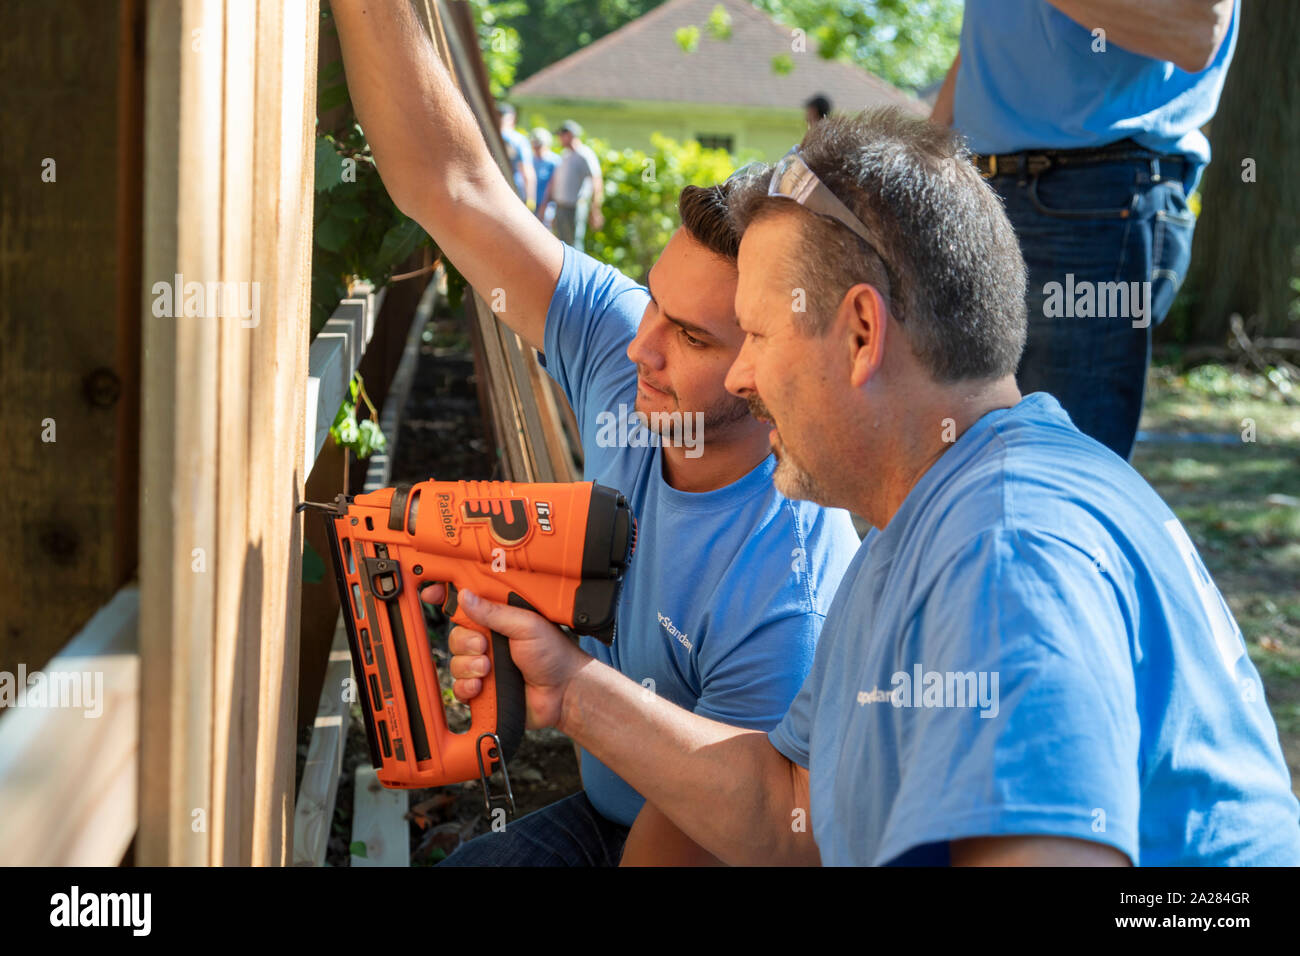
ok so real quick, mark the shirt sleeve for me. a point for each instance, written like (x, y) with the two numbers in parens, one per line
(751, 684)
(593, 316)
(792, 735)
(1052, 748)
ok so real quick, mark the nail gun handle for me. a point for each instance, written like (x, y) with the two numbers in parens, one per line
(506, 685)
(500, 706)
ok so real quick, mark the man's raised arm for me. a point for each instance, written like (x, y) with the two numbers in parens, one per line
(437, 167)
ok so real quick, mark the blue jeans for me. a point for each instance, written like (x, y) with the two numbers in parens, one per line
(1098, 224)
(569, 832)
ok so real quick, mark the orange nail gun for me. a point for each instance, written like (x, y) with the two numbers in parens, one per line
(557, 549)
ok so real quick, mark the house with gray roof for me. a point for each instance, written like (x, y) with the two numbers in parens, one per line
(744, 93)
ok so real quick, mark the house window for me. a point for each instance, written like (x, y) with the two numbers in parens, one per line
(714, 141)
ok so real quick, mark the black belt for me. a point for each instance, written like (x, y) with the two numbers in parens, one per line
(1033, 162)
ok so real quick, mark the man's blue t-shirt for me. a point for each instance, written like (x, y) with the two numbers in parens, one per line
(545, 166)
(726, 593)
(1032, 78)
(520, 153)
(1033, 646)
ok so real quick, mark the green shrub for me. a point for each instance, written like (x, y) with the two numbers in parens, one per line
(641, 190)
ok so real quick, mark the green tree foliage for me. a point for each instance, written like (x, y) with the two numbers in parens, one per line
(499, 40)
(641, 190)
(552, 29)
(359, 232)
(910, 43)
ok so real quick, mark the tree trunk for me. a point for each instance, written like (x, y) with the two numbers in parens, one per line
(1247, 243)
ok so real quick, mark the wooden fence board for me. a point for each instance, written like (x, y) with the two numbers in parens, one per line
(69, 318)
(228, 198)
(314, 808)
(379, 821)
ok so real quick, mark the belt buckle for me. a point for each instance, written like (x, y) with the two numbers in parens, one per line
(993, 168)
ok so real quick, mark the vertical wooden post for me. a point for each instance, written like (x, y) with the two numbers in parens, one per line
(230, 104)
(282, 239)
(182, 204)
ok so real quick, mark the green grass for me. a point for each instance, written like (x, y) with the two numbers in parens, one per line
(1240, 503)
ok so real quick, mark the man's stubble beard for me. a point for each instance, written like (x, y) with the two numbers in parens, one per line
(718, 419)
(790, 478)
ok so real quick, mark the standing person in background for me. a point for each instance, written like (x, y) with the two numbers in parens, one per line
(1086, 116)
(817, 108)
(544, 161)
(568, 188)
(521, 156)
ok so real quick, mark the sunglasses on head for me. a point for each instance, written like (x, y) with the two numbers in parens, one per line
(793, 179)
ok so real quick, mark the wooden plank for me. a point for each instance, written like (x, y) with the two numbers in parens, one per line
(228, 199)
(522, 366)
(557, 441)
(483, 391)
(497, 374)
(379, 467)
(379, 821)
(67, 773)
(69, 316)
(572, 431)
(314, 809)
(335, 353)
(283, 149)
(130, 188)
(178, 482)
(236, 430)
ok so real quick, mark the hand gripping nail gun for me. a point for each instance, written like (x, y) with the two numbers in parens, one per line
(557, 549)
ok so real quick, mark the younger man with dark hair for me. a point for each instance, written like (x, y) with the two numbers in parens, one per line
(722, 604)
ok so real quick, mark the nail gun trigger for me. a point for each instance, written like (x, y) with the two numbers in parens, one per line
(449, 605)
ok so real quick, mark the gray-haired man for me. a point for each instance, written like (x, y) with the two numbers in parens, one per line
(1026, 662)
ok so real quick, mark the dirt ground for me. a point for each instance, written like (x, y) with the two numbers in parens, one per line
(442, 436)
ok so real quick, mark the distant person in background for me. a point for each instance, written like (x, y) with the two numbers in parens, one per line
(521, 156)
(576, 178)
(1086, 115)
(817, 108)
(544, 162)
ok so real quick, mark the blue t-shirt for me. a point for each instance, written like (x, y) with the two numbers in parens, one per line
(726, 593)
(1029, 79)
(1033, 646)
(545, 166)
(520, 154)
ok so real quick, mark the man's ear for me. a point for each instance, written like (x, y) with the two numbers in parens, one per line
(863, 314)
